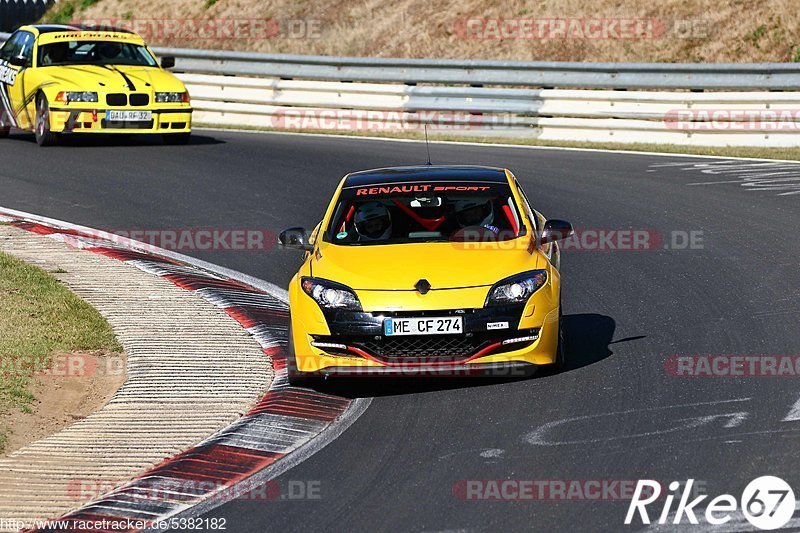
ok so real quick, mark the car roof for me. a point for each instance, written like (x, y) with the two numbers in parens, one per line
(53, 28)
(429, 173)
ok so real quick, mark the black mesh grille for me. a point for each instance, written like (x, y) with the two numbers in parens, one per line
(438, 348)
(424, 346)
(140, 99)
(117, 99)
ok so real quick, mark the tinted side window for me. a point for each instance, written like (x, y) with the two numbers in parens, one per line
(25, 46)
(11, 46)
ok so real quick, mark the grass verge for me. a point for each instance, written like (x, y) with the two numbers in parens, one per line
(792, 154)
(668, 31)
(40, 318)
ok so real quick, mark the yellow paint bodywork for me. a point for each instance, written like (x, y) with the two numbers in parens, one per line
(88, 117)
(461, 276)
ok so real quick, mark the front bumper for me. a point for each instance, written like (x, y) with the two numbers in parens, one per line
(355, 345)
(164, 121)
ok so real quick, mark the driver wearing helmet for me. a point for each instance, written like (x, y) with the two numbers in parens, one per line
(55, 53)
(373, 222)
(475, 212)
(109, 51)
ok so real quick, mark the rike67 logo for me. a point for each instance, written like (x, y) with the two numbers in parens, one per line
(767, 502)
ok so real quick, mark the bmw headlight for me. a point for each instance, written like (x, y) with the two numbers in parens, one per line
(77, 96)
(516, 289)
(174, 98)
(331, 295)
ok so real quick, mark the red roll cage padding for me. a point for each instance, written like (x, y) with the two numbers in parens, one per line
(430, 224)
(347, 218)
(511, 219)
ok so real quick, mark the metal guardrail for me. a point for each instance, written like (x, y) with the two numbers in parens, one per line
(550, 114)
(772, 76)
(764, 76)
(240, 89)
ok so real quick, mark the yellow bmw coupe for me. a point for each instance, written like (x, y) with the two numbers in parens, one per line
(443, 270)
(59, 79)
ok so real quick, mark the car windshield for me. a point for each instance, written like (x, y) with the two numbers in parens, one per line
(419, 211)
(94, 53)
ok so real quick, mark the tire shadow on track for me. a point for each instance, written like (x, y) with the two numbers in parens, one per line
(586, 339)
(117, 140)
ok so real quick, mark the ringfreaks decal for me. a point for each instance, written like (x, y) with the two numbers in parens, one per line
(8, 75)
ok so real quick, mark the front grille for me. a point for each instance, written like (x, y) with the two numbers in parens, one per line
(428, 348)
(424, 346)
(117, 99)
(140, 99)
(125, 125)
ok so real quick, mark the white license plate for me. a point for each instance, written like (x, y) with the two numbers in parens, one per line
(129, 116)
(423, 326)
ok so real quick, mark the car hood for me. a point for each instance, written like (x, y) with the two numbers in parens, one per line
(401, 266)
(109, 79)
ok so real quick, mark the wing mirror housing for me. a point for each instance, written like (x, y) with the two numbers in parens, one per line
(167, 62)
(295, 238)
(19, 61)
(556, 230)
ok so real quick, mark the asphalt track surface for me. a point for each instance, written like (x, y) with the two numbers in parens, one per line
(617, 414)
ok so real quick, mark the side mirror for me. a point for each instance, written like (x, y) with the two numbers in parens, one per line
(19, 61)
(555, 230)
(295, 238)
(167, 62)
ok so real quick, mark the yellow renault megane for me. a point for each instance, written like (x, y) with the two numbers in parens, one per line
(443, 270)
(64, 79)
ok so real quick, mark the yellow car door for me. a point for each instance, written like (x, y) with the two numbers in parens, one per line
(8, 78)
(16, 58)
(22, 91)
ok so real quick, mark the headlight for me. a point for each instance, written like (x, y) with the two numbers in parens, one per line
(516, 289)
(331, 295)
(76, 96)
(172, 97)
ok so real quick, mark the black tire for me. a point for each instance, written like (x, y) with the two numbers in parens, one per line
(561, 356)
(176, 138)
(4, 129)
(44, 137)
(302, 379)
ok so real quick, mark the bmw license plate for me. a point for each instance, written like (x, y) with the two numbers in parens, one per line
(129, 116)
(424, 326)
